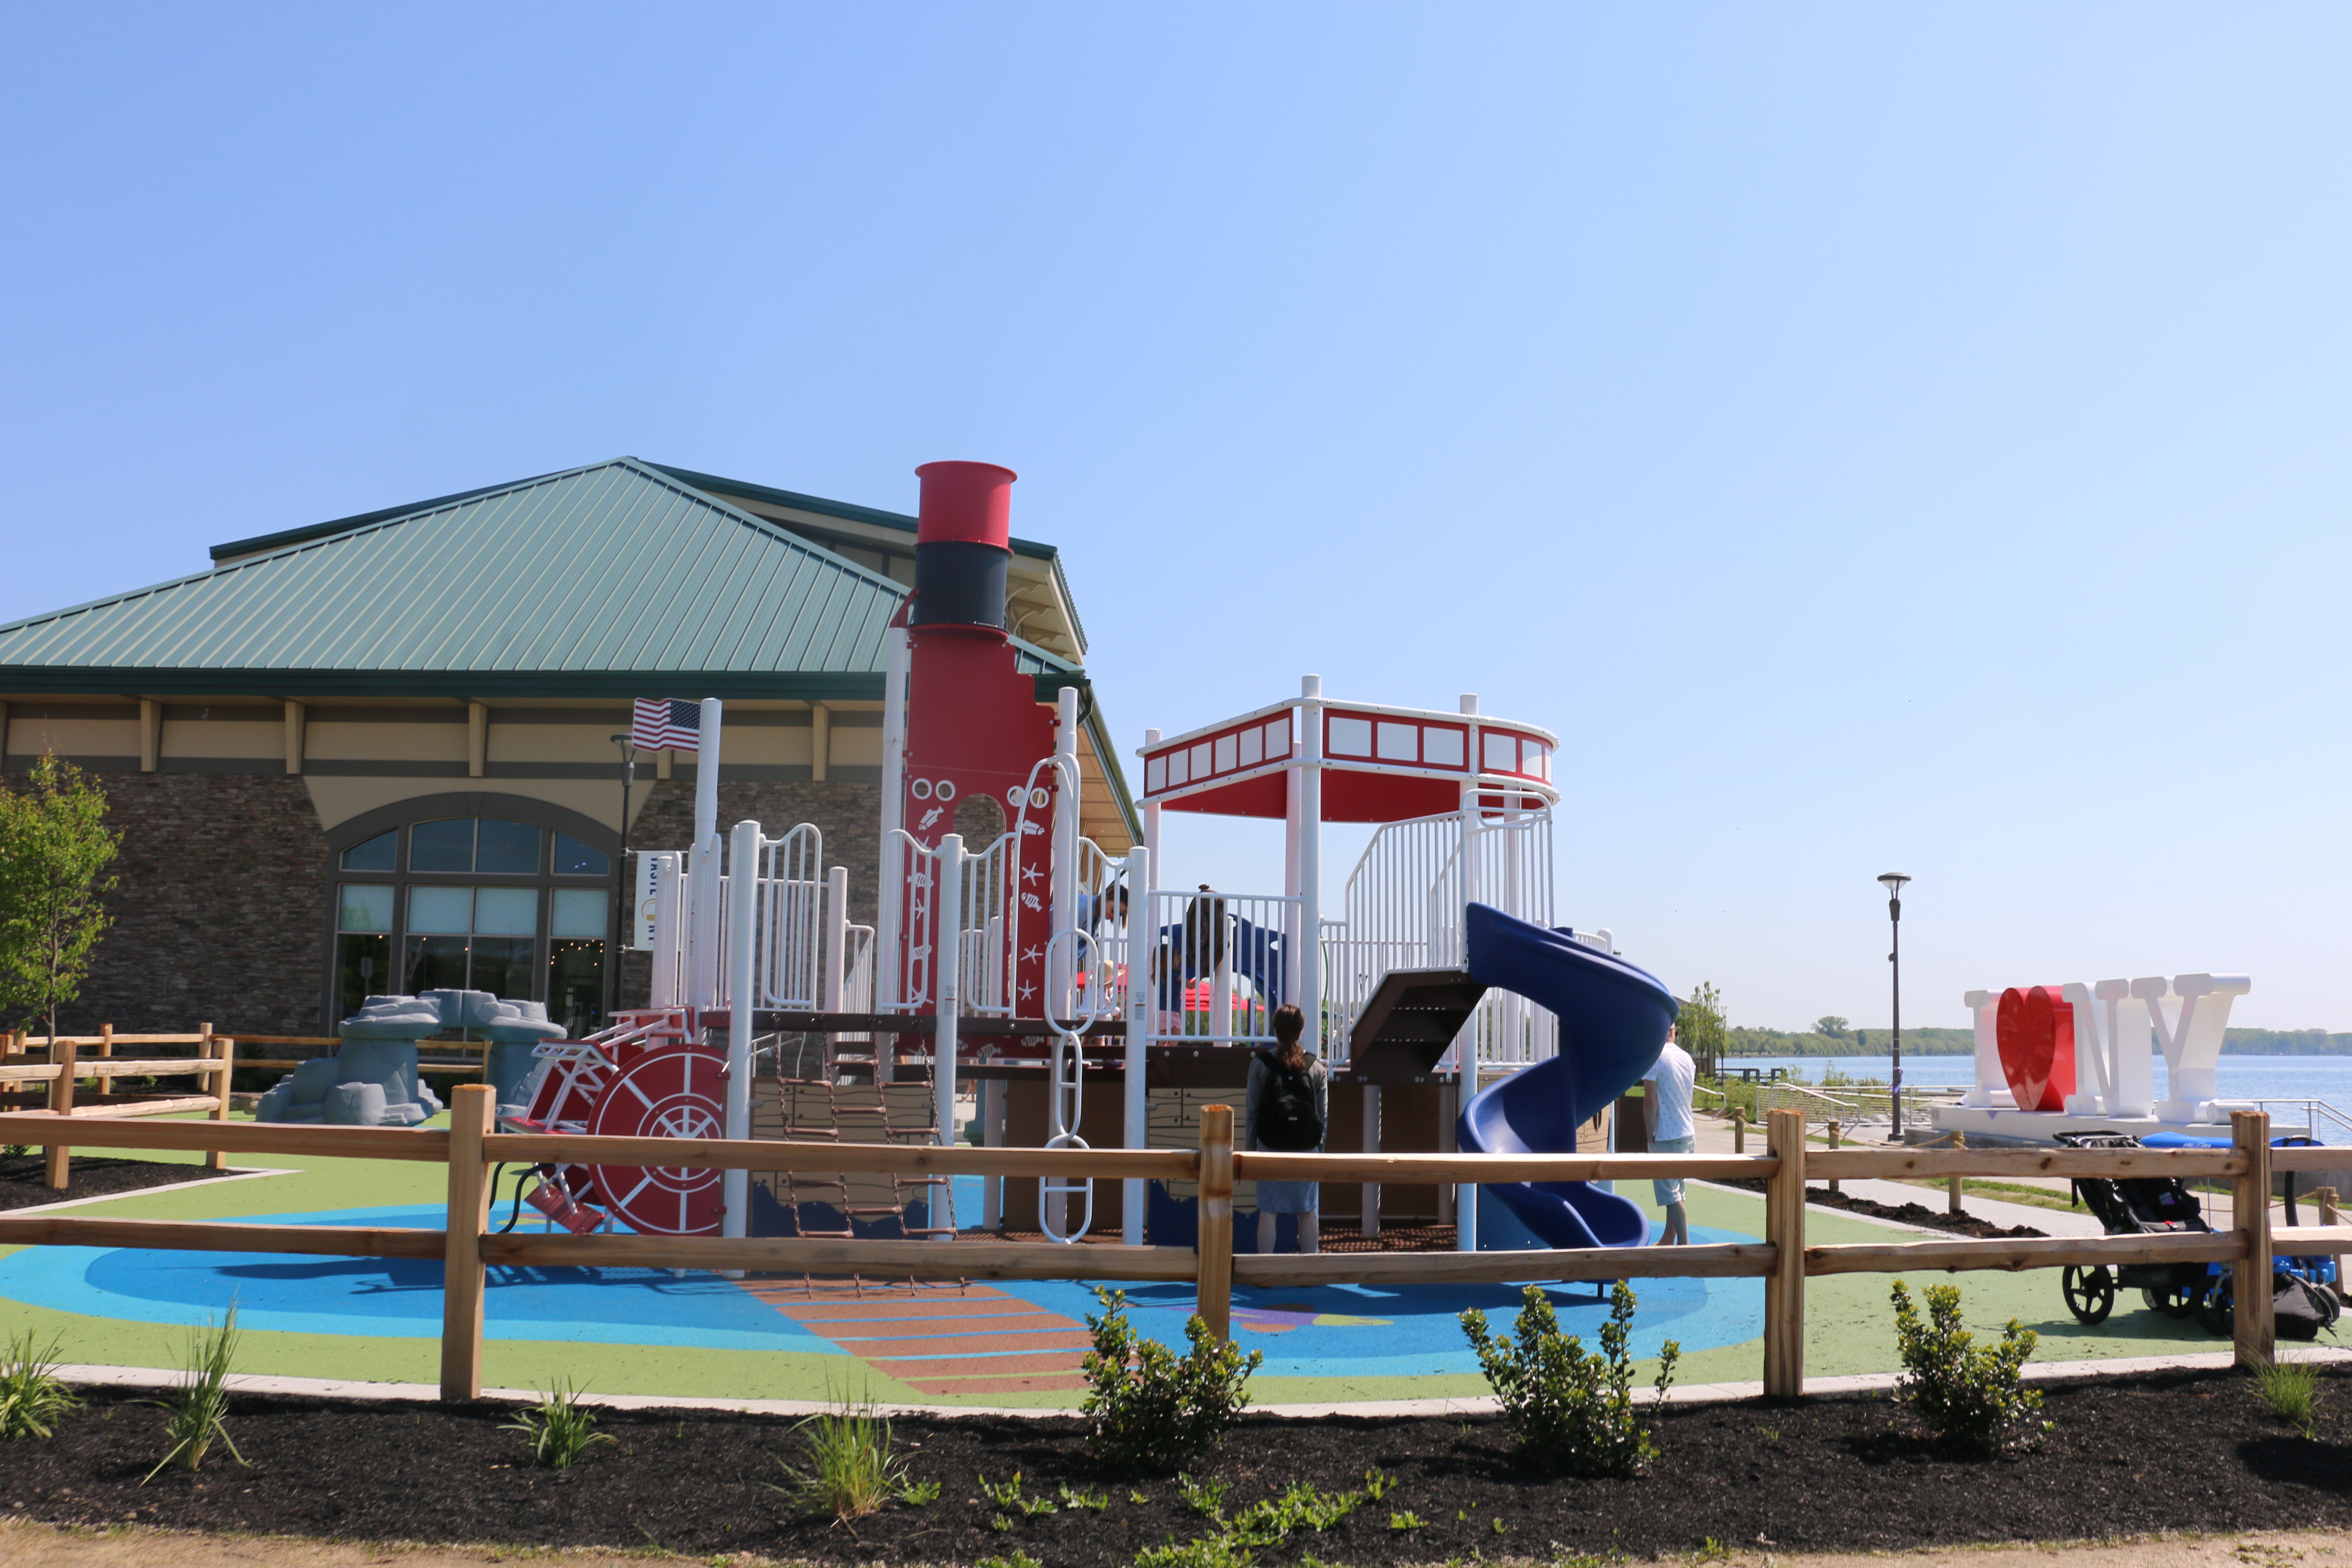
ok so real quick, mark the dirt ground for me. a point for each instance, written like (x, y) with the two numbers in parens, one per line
(28, 1545)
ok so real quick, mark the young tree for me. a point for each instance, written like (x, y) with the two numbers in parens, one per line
(1699, 1027)
(55, 847)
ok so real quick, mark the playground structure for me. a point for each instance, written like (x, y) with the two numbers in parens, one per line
(1070, 994)
(374, 1078)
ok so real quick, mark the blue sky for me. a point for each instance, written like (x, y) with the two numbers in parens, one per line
(1875, 438)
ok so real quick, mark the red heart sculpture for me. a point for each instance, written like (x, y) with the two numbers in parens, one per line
(2036, 1028)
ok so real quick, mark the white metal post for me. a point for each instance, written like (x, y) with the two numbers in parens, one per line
(743, 953)
(889, 964)
(1139, 1004)
(1062, 957)
(1465, 1045)
(1151, 809)
(836, 941)
(1293, 838)
(1311, 860)
(946, 977)
(702, 931)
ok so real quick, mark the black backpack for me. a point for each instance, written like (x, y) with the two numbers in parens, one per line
(1287, 1120)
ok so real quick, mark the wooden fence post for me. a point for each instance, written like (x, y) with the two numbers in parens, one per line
(217, 1159)
(470, 1113)
(106, 1049)
(1952, 1200)
(1834, 1143)
(67, 1056)
(1738, 1129)
(2252, 1313)
(1784, 1288)
(1215, 1246)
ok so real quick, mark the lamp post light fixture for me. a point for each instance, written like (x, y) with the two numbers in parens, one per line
(1893, 882)
(620, 882)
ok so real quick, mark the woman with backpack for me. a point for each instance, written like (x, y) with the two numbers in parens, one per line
(1288, 1107)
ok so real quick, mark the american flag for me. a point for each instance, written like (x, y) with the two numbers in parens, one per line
(666, 723)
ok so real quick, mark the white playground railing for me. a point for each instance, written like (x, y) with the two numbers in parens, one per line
(1215, 965)
(1403, 910)
(808, 956)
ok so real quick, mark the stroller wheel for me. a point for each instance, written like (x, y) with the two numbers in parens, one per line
(2090, 1293)
(2173, 1301)
(2213, 1313)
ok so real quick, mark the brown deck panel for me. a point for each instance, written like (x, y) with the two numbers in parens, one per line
(964, 1344)
(977, 1366)
(882, 1311)
(931, 1328)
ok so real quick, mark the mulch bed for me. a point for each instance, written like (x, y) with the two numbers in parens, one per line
(1906, 1214)
(23, 1178)
(2130, 1454)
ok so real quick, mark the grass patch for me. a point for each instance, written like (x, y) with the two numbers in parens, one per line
(2291, 1388)
(33, 1397)
(851, 1472)
(197, 1412)
(560, 1427)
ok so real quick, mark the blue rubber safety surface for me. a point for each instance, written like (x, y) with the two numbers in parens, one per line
(1327, 1331)
(397, 1298)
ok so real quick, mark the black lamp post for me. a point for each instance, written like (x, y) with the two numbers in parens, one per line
(1893, 882)
(620, 881)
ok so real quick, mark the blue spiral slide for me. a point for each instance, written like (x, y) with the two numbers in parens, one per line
(1612, 1022)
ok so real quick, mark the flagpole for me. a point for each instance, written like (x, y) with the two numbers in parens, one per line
(621, 911)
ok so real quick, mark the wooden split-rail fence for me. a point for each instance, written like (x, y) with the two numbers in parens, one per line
(1784, 1260)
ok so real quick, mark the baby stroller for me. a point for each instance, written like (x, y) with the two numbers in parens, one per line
(2304, 1288)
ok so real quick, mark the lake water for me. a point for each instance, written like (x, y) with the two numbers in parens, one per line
(2240, 1078)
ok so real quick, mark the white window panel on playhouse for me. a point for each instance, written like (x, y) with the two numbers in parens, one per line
(1198, 767)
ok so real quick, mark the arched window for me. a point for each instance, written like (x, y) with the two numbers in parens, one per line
(478, 892)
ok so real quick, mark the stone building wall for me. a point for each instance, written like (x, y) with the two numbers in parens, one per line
(219, 907)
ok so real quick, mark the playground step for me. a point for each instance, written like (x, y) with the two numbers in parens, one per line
(1412, 1016)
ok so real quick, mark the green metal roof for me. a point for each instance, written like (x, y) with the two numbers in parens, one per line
(619, 579)
(609, 580)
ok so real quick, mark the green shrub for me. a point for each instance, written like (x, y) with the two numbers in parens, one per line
(1971, 1397)
(33, 1397)
(560, 1427)
(1573, 1411)
(1152, 1410)
(2291, 1388)
(197, 1411)
(851, 1472)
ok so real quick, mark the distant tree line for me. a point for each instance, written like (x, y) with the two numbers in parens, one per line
(1851, 1042)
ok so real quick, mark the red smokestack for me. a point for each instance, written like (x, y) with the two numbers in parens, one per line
(963, 541)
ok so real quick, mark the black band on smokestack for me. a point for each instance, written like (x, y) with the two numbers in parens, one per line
(959, 584)
(962, 545)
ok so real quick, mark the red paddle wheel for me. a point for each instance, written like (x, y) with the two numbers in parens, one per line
(643, 1078)
(676, 1091)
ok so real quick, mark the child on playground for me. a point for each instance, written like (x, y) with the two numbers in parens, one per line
(1288, 1106)
(1667, 1111)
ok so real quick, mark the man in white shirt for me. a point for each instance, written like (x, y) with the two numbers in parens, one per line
(1666, 1112)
